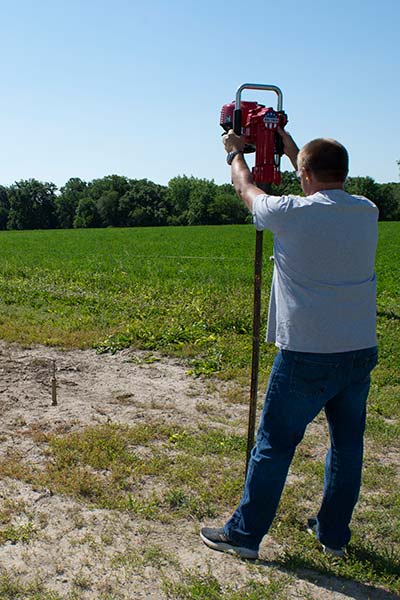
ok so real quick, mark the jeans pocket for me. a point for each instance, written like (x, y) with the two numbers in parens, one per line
(311, 379)
(362, 367)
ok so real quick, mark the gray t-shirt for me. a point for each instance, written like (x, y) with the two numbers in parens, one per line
(323, 294)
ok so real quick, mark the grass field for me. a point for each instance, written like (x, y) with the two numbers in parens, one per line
(182, 290)
(188, 292)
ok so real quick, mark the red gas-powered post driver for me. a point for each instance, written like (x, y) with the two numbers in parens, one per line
(258, 125)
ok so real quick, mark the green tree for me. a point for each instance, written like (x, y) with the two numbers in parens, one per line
(388, 201)
(178, 194)
(362, 186)
(68, 200)
(145, 204)
(193, 201)
(226, 208)
(4, 207)
(32, 205)
(108, 209)
(202, 195)
(113, 183)
(107, 192)
(86, 214)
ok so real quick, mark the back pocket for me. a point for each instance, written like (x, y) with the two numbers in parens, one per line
(311, 379)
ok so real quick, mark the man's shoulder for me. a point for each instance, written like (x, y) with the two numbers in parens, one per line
(271, 212)
(341, 197)
(282, 203)
(365, 201)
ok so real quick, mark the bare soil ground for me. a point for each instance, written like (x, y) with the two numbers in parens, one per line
(77, 549)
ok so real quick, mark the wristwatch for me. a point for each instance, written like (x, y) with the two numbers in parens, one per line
(231, 155)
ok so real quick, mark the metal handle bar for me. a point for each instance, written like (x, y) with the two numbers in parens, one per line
(259, 86)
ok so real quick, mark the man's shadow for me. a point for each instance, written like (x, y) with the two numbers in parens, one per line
(304, 569)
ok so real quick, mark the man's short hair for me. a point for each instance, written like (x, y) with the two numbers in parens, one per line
(327, 159)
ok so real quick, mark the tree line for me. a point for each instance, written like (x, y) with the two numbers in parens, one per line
(117, 201)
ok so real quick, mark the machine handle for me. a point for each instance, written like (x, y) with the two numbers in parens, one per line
(237, 121)
(259, 86)
(279, 148)
(237, 115)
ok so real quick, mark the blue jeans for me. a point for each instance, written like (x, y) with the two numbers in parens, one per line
(300, 386)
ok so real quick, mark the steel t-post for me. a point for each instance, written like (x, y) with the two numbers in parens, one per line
(237, 127)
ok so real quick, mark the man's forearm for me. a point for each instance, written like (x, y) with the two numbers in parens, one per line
(293, 157)
(240, 174)
(242, 180)
(290, 147)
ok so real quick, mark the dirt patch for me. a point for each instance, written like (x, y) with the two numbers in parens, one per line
(97, 553)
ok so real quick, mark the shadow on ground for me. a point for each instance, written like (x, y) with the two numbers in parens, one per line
(384, 568)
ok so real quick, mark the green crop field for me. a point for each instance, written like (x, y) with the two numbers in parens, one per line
(187, 292)
(180, 290)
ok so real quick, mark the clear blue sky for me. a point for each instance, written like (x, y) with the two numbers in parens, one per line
(94, 87)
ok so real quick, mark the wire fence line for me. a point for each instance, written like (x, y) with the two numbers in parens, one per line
(222, 258)
(228, 258)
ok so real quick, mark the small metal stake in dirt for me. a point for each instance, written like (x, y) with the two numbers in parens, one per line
(54, 386)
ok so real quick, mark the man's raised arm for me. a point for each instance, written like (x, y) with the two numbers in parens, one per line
(242, 179)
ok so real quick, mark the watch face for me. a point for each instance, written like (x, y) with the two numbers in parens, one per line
(230, 156)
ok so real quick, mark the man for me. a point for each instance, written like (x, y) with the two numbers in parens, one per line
(322, 317)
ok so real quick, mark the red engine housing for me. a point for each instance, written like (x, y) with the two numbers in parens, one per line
(259, 125)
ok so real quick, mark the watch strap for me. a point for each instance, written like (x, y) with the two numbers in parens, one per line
(231, 155)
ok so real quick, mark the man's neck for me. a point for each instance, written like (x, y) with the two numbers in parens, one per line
(320, 186)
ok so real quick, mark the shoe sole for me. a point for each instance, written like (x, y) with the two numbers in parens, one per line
(229, 549)
(326, 549)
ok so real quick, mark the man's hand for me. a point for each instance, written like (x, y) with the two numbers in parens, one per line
(289, 146)
(233, 142)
